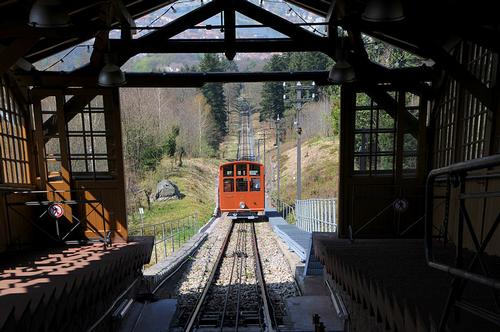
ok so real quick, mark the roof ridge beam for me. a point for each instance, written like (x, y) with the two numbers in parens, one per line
(280, 24)
(183, 23)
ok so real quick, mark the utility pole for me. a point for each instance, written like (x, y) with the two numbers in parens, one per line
(299, 141)
(278, 154)
(301, 99)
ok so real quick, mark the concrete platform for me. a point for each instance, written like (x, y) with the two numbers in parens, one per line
(301, 310)
(150, 316)
(297, 240)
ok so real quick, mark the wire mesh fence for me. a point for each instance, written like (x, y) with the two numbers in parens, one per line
(169, 235)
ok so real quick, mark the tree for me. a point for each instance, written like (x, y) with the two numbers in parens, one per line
(171, 141)
(214, 95)
(272, 103)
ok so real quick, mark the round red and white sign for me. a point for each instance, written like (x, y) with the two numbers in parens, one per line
(56, 210)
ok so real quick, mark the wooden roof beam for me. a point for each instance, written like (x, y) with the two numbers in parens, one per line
(458, 71)
(12, 53)
(390, 105)
(76, 103)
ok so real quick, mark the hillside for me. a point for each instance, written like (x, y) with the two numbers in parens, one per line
(196, 180)
(320, 167)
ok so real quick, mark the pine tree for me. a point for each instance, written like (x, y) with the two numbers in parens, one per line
(214, 95)
(272, 103)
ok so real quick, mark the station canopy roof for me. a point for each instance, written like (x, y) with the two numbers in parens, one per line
(428, 27)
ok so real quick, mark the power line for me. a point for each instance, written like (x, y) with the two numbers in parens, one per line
(61, 59)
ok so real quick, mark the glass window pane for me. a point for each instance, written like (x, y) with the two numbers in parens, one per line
(410, 143)
(241, 169)
(228, 170)
(385, 142)
(101, 165)
(385, 163)
(362, 99)
(242, 184)
(100, 146)
(409, 162)
(254, 170)
(76, 145)
(78, 166)
(98, 122)
(363, 119)
(361, 142)
(385, 121)
(255, 184)
(228, 185)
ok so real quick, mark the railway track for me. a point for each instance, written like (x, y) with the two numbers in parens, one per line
(235, 295)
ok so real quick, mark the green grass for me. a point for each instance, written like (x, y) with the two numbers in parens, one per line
(196, 180)
(319, 179)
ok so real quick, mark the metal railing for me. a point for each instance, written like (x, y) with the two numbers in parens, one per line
(286, 211)
(465, 269)
(316, 215)
(311, 215)
(169, 235)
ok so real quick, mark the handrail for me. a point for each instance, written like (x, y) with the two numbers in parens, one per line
(316, 214)
(169, 235)
(457, 176)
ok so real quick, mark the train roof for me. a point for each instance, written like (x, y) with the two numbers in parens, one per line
(240, 162)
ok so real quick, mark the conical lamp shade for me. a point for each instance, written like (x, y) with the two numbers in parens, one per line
(111, 76)
(49, 14)
(383, 11)
(342, 72)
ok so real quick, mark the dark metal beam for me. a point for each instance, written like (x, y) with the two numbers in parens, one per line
(216, 46)
(184, 22)
(229, 29)
(183, 79)
(280, 24)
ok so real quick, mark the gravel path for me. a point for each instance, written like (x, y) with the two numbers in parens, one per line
(191, 284)
(278, 275)
(239, 261)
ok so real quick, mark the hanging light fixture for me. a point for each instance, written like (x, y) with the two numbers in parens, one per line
(49, 14)
(111, 75)
(342, 71)
(383, 11)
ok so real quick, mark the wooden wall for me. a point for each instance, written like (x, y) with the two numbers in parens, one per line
(383, 160)
(77, 135)
(86, 158)
(465, 127)
(16, 164)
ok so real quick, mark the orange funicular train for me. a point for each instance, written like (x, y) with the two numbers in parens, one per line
(241, 189)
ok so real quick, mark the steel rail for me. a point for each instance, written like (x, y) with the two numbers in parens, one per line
(261, 282)
(229, 286)
(201, 299)
(240, 276)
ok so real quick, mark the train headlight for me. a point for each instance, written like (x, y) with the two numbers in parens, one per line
(242, 205)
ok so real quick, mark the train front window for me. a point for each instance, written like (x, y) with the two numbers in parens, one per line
(255, 184)
(242, 184)
(241, 169)
(228, 185)
(254, 170)
(228, 170)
